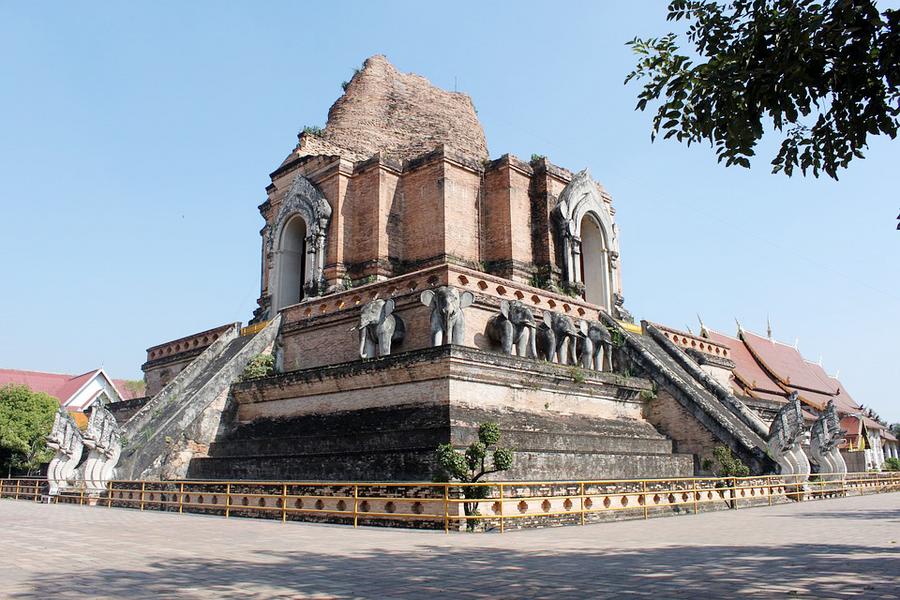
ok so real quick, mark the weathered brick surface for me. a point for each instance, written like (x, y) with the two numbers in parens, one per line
(401, 114)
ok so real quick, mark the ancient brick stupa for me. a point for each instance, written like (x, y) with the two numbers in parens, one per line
(412, 288)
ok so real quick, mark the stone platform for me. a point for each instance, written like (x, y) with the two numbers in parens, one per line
(382, 419)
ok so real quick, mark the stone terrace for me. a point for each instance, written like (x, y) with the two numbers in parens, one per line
(837, 549)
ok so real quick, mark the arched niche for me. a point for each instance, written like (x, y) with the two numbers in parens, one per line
(594, 265)
(295, 245)
(290, 263)
(587, 242)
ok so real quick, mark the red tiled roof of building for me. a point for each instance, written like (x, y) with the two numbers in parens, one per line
(747, 370)
(126, 389)
(786, 364)
(887, 435)
(59, 385)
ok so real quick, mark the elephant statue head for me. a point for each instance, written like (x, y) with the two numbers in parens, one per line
(448, 324)
(556, 338)
(514, 327)
(596, 342)
(379, 328)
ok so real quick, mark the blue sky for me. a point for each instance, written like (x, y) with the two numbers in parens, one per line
(136, 141)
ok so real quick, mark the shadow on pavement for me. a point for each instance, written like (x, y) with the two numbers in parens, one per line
(819, 570)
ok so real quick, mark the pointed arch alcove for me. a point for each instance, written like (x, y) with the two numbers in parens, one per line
(295, 243)
(587, 242)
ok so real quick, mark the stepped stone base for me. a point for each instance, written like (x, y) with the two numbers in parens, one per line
(382, 419)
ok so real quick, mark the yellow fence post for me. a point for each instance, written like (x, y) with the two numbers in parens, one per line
(734, 495)
(227, 499)
(446, 508)
(81, 497)
(694, 494)
(502, 529)
(143, 484)
(644, 498)
(283, 502)
(581, 493)
(355, 504)
(18, 483)
(109, 492)
(181, 497)
(769, 489)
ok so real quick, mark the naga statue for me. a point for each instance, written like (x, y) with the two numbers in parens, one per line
(102, 439)
(66, 439)
(825, 436)
(785, 439)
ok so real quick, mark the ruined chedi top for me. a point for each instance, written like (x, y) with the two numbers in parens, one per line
(401, 115)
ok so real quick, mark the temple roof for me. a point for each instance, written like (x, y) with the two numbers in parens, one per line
(786, 364)
(749, 373)
(61, 386)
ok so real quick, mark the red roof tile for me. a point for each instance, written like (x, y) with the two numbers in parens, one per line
(786, 364)
(747, 369)
(125, 389)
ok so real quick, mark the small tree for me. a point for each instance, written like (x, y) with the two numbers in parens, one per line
(729, 465)
(26, 418)
(471, 465)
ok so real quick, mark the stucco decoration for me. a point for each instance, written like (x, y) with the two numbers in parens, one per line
(304, 199)
(785, 438)
(379, 328)
(580, 198)
(66, 440)
(102, 440)
(448, 322)
(825, 437)
(513, 328)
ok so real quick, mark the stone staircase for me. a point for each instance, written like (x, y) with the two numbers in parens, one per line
(185, 415)
(717, 410)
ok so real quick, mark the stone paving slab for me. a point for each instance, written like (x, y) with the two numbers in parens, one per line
(842, 548)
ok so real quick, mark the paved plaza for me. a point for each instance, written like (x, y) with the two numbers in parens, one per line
(830, 549)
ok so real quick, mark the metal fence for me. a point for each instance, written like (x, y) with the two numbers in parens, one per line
(482, 506)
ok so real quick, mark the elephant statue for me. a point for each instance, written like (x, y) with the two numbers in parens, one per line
(379, 328)
(595, 345)
(556, 338)
(515, 328)
(448, 324)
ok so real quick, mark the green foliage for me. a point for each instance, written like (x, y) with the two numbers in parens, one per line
(824, 75)
(730, 466)
(892, 464)
(312, 130)
(261, 365)
(26, 418)
(648, 395)
(537, 157)
(577, 374)
(472, 464)
(706, 464)
(135, 386)
(618, 338)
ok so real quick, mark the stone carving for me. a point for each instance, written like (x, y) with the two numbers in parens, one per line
(825, 437)
(379, 328)
(448, 323)
(102, 440)
(619, 310)
(515, 328)
(305, 199)
(579, 198)
(66, 440)
(596, 344)
(556, 338)
(785, 439)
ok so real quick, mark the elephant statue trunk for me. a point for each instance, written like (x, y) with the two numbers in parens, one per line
(515, 328)
(379, 328)
(448, 323)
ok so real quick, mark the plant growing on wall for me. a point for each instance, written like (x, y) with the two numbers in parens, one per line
(472, 464)
(892, 464)
(26, 418)
(261, 365)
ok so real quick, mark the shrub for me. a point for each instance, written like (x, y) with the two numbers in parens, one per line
(892, 464)
(261, 365)
(730, 466)
(26, 418)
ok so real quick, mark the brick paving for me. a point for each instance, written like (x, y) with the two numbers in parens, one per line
(831, 549)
